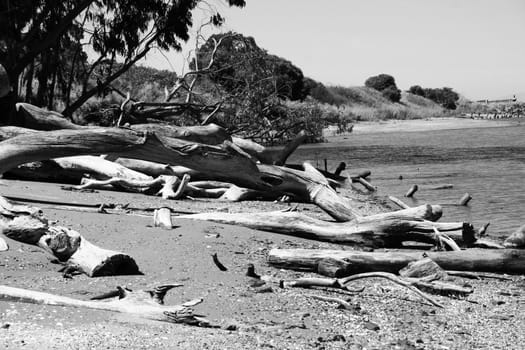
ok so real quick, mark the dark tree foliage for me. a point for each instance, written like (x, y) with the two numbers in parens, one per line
(380, 82)
(239, 64)
(444, 96)
(417, 90)
(392, 93)
(36, 33)
(386, 84)
(321, 93)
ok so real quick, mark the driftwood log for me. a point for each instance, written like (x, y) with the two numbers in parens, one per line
(32, 117)
(220, 162)
(148, 304)
(509, 261)
(25, 224)
(380, 230)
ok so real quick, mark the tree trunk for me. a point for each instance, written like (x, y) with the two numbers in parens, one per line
(24, 224)
(380, 230)
(146, 304)
(486, 260)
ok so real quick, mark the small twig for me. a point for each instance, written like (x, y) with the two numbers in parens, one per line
(476, 275)
(251, 272)
(391, 277)
(218, 263)
(398, 202)
(342, 303)
(445, 239)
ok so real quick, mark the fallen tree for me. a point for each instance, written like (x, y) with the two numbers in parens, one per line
(220, 162)
(36, 118)
(352, 262)
(148, 304)
(381, 230)
(25, 224)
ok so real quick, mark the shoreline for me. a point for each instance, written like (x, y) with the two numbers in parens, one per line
(418, 125)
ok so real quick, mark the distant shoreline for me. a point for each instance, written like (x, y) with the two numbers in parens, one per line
(417, 125)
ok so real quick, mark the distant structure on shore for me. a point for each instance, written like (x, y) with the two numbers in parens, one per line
(508, 100)
(499, 109)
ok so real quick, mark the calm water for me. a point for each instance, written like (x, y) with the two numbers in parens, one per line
(488, 163)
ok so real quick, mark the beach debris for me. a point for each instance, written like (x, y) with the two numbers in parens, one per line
(465, 199)
(511, 261)
(341, 283)
(26, 224)
(148, 304)
(3, 245)
(483, 230)
(218, 263)
(162, 218)
(398, 202)
(380, 230)
(411, 191)
(251, 272)
(516, 239)
(340, 168)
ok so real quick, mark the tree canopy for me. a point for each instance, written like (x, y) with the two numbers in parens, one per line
(444, 96)
(386, 84)
(47, 34)
(240, 64)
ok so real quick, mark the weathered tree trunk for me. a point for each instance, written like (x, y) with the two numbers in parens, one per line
(146, 304)
(381, 230)
(24, 224)
(485, 260)
(99, 167)
(33, 117)
(221, 163)
(37, 118)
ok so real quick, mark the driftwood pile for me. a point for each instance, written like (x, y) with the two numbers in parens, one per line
(205, 161)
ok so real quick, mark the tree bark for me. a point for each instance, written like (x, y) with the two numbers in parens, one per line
(484, 260)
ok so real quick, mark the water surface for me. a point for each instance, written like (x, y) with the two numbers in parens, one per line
(488, 163)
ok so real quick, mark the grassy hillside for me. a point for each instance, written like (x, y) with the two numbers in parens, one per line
(364, 103)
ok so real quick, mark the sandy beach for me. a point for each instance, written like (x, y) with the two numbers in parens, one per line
(384, 316)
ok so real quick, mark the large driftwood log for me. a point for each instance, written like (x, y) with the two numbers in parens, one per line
(33, 117)
(26, 225)
(380, 230)
(143, 303)
(484, 260)
(37, 118)
(221, 163)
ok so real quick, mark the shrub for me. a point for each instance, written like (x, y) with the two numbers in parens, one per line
(417, 90)
(392, 93)
(380, 82)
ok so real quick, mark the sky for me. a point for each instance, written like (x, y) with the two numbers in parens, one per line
(477, 47)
